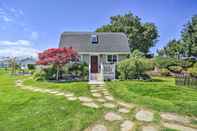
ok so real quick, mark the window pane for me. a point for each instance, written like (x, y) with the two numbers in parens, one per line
(114, 58)
(94, 39)
(109, 58)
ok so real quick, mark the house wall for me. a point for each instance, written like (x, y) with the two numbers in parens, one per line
(103, 59)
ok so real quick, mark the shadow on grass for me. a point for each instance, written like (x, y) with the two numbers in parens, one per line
(156, 80)
(60, 81)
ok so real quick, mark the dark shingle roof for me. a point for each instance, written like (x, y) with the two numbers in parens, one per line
(107, 42)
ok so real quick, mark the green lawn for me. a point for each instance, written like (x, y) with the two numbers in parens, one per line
(161, 94)
(22, 110)
(78, 88)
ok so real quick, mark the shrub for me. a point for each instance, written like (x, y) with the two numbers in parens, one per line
(79, 70)
(134, 68)
(39, 75)
(47, 73)
(31, 66)
(50, 73)
(165, 62)
(193, 71)
(175, 69)
(185, 63)
(164, 72)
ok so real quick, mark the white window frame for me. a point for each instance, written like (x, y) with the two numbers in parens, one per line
(112, 58)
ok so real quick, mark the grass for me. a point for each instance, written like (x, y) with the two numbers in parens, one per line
(78, 88)
(27, 111)
(22, 110)
(161, 94)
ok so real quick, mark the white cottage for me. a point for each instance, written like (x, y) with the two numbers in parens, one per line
(100, 50)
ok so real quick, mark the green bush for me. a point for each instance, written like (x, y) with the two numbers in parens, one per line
(79, 70)
(164, 72)
(31, 66)
(165, 62)
(39, 75)
(44, 74)
(134, 68)
(175, 69)
(193, 70)
(185, 63)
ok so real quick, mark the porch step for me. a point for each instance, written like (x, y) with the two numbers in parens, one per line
(95, 82)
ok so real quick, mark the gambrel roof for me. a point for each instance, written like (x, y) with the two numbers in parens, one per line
(107, 42)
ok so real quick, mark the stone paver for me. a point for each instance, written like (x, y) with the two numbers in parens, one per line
(71, 98)
(126, 105)
(100, 100)
(85, 99)
(112, 116)
(127, 125)
(149, 128)
(178, 127)
(91, 104)
(96, 94)
(144, 115)
(123, 110)
(109, 98)
(109, 105)
(99, 127)
(59, 94)
(93, 91)
(175, 118)
(106, 93)
(53, 92)
(68, 94)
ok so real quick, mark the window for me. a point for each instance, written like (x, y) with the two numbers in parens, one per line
(94, 39)
(112, 58)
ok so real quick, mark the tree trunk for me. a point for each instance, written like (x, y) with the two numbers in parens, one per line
(57, 73)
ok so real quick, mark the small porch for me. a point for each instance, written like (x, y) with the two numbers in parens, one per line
(99, 70)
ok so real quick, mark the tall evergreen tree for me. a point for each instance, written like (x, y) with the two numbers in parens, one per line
(189, 37)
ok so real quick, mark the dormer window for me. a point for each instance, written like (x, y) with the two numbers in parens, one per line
(94, 39)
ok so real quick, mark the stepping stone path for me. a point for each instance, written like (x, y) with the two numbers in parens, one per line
(144, 115)
(71, 98)
(91, 104)
(85, 99)
(112, 116)
(102, 98)
(96, 95)
(127, 125)
(99, 128)
(149, 128)
(175, 118)
(123, 110)
(109, 105)
(109, 98)
(126, 105)
(178, 127)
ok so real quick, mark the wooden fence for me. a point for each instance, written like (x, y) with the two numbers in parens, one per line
(186, 81)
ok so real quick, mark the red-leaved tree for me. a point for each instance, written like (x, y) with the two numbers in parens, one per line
(57, 57)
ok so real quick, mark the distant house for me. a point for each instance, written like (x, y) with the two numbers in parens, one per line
(100, 50)
(4, 62)
(26, 61)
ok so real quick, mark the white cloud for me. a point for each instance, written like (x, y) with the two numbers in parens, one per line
(16, 43)
(34, 35)
(19, 48)
(18, 52)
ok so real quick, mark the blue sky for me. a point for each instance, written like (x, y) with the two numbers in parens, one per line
(28, 26)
